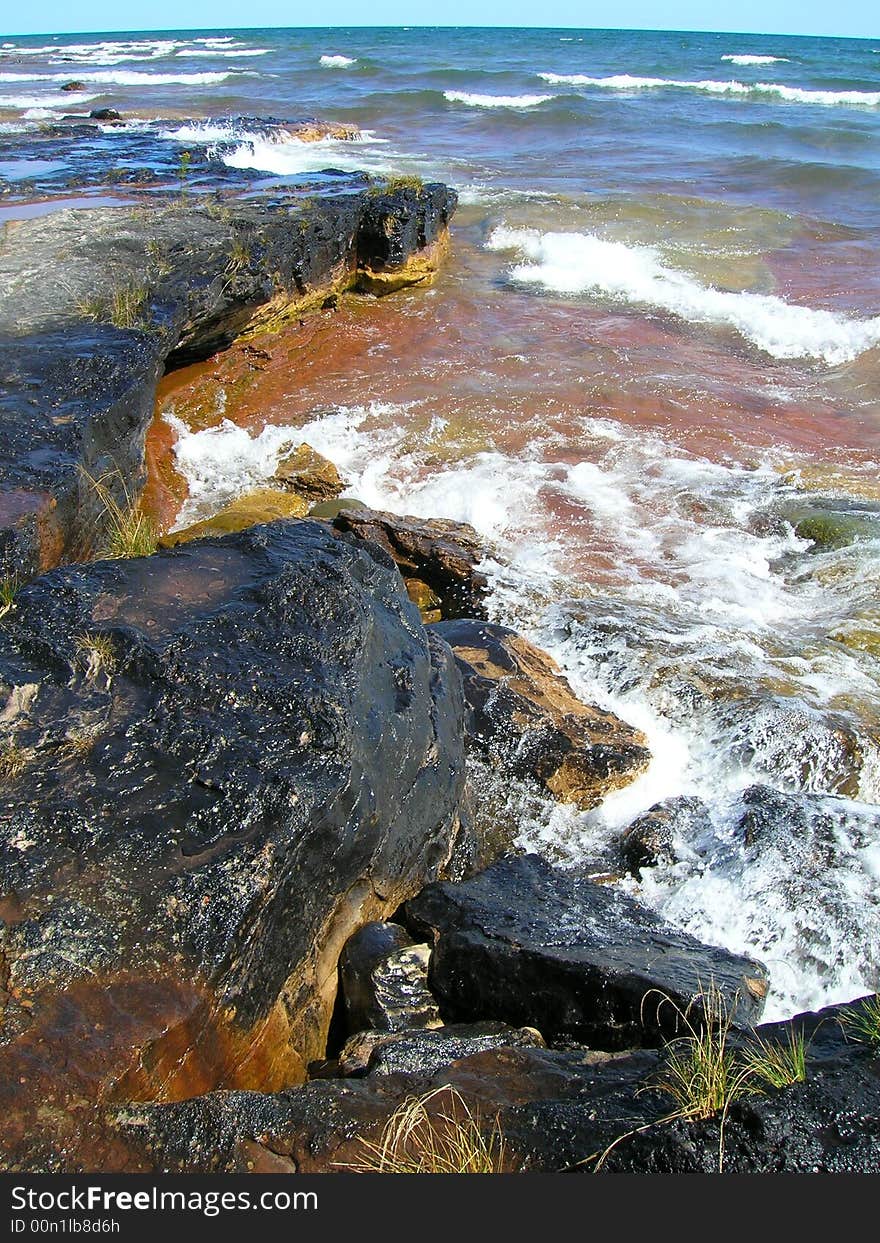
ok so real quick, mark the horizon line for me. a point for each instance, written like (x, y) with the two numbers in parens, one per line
(757, 34)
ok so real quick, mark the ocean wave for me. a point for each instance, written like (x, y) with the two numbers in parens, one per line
(233, 55)
(791, 94)
(45, 102)
(337, 62)
(582, 263)
(128, 77)
(753, 58)
(495, 101)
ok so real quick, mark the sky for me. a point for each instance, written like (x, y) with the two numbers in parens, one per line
(856, 18)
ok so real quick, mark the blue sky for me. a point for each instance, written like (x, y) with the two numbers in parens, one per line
(859, 18)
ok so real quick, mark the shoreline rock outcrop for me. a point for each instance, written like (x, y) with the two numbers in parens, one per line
(218, 763)
(145, 290)
(524, 715)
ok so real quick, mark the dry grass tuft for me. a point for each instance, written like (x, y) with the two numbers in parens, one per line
(129, 532)
(417, 1140)
(13, 760)
(95, 654)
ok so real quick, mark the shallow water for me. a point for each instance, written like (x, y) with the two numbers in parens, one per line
(648, 376)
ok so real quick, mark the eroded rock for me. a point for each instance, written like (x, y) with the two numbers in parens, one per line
(524, 714)
(310, 475)
(384, 980)
(443, 556)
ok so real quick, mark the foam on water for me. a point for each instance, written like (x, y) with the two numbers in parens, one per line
(337, 62)
(495, 101)
(791, 94)
(754, 58)
(583, 263)
(129, 77)
(711, 642)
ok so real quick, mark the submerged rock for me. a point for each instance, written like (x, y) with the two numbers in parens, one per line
(537, 946)
(262, 505)
(443, 556)
(308, 474)
(650, 839)
(524, 714)
(233, 755)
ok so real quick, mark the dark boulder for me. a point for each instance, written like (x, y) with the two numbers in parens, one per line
(538, 946)
(105, 114)
(426, 1051)
(441, 555)
(525, 716)
(218, 763)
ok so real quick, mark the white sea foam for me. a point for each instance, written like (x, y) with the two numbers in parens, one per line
(44, 103)
(707, 599)
(495, 101)
(791, 94)
(288, 156)
(583, 263)
(128, 77)
(753, 58)
(233, 55)
(337, 62)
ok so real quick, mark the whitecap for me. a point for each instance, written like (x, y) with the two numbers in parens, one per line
(754, 58)
(791, 94)
(583, 263)
(337, 62)
(495, 101)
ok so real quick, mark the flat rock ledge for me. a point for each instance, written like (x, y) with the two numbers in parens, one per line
(217, 763)
(95, 305)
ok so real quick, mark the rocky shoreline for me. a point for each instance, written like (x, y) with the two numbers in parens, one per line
(247, 909)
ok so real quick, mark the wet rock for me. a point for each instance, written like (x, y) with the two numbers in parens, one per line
(105, 114)
(262, 505)
(233, 755)
(427, 1051)
(828, 1124)
(425, 599)
(384, 976)
(554, 1109)
(650, 839)
(834, 523)
(74, 87)
(328, 510)
(536, 946)
(442, 555)
(524, 714)
(557, 1110)
(146, 290)
(309, 475)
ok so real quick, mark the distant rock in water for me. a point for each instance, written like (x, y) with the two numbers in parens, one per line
(524, 714)
(650, 839)
(217, 763)
(534, 945)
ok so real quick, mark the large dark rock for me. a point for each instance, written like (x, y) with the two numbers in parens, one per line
(525, 716)
(440, 555)
(538, 946)
(143, 290)
(554, 1109)
(217, 763)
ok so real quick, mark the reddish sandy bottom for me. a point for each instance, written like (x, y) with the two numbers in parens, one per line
(522, 374)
